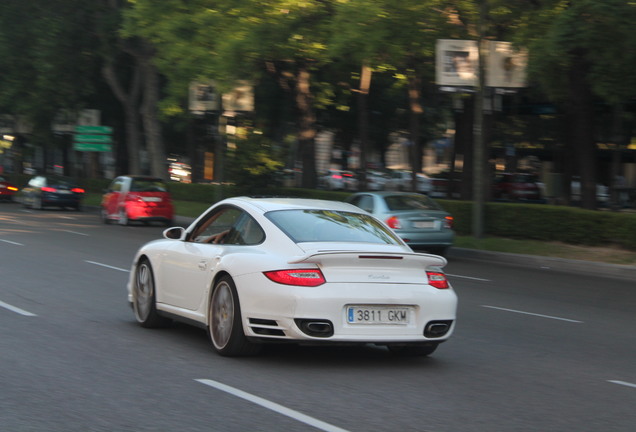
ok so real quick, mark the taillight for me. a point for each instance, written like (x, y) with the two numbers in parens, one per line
(77, 190)
(393, 222)
(12, 188)
(437, 279)
(448, 223)
(48, 189)
(298, 277)
(336, 176)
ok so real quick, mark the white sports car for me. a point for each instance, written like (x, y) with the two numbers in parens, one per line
(256, 270)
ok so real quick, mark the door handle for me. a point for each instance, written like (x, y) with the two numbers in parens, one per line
(203, 265)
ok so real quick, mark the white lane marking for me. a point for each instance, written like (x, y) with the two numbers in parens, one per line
(273, 406)
(11, 242)
(469, 277)
(534, 314)
(16, 309)
(108, 266)
(623, 383)
(75, 232)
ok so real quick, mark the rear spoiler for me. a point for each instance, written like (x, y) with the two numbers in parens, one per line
(318, 257)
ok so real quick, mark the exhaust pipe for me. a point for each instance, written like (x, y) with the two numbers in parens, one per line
(436, 329)
(315, 328)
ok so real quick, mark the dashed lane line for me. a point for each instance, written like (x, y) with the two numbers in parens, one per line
(107, 266)
(318, 424)
(16, 309)
(533, 314)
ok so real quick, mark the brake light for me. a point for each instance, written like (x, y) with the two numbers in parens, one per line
(298, 277)
(77, 190)
(393, 222)
(437, 279)
(336, 176)
(48, 189)
(448, 222)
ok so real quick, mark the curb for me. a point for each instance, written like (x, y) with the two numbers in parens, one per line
(591, 268)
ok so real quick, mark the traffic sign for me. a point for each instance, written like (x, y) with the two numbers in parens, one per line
(83, 146)
(104, 139)
(93, 129)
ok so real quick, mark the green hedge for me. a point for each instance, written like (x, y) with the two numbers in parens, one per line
(548, 223)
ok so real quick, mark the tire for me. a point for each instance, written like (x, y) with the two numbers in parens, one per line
(144, 299)
(103, 214)
(414, 350)
(123, 217)
(37, 203)
(225, 328)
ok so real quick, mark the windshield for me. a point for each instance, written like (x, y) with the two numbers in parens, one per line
(331, 226)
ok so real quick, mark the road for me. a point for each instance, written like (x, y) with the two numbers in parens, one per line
(534, 350)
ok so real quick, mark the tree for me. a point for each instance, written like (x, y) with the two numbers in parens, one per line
(579, 53)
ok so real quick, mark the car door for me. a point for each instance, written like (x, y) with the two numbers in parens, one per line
(189, 266)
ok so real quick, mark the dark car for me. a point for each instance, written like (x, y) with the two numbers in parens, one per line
(516, 187)
(7, 189)
(52, 191)
(417, 219)
(137, 198)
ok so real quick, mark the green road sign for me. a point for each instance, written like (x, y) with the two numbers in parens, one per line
(93, 129)
(83, 146)
(103, 139)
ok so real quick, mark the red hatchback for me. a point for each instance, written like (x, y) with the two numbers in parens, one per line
(137, 198)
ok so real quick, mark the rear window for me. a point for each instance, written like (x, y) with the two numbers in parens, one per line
(331, 226)
(410, 202)
(148, 185)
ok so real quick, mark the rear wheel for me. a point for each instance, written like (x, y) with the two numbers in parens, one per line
(103, 214)
(414, 350)
(123, 217)
(144, 300)
(224, 321)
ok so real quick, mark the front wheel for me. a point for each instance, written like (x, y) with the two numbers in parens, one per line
(144, 299)
(224, 321)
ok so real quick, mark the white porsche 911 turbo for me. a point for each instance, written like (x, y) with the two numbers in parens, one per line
(257, 270)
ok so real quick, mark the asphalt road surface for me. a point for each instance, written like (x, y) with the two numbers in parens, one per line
(534, 350)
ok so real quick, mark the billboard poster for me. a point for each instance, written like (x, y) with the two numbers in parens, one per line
(457, 62)
(203, 97)
(505, 65)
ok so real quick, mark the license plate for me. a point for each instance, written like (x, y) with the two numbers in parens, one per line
(63, 191)
(424, 224)
(378, 315)
(151, 199)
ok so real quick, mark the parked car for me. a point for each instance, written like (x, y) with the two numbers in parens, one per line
(602, 192)
(7, 189)
(417, 219)
(331, 180)
(516, 187)
(259, 270)
(52, 191)
(137, 198)
(400, 180)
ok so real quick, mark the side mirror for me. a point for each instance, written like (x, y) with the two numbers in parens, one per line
(175, 233)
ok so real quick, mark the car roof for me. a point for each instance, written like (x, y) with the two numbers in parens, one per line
(266, 204)
(388, 193)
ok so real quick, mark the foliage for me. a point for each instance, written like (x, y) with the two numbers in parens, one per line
(549, 223)
(252, 164)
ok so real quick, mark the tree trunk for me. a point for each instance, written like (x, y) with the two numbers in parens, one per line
(582, 131)
(129, 101)
(363, 123)
(307, 126)
(415, 111)
(152, 126)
